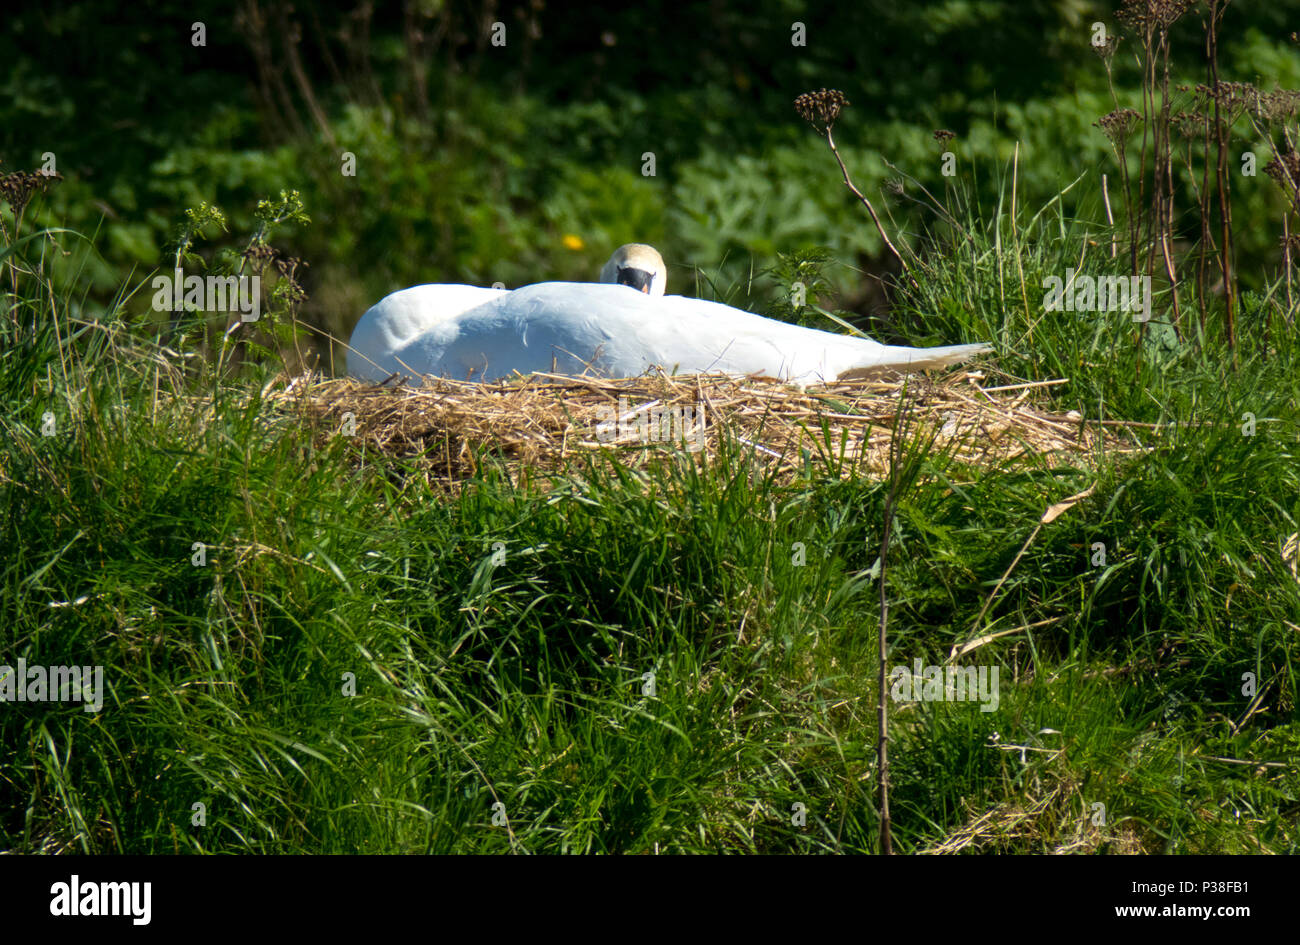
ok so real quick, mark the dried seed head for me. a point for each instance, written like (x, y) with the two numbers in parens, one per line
(258, 255)
(1285, 171)
(821, 108)
(1106, 51)
(1118, 125)
(16, 189)
(288, 268)
(1141, 15)
(289, 264)
(1231, 97)
(1189, 124)
(1280, 105)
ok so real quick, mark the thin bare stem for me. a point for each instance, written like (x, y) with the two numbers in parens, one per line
(1110, 217)
(848, 182)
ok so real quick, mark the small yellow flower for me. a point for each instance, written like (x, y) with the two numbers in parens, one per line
(573, 241)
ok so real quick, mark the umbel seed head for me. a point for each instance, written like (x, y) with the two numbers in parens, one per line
(1141, 15)
(1118, 124)
(1285, 171)
(821, 108)
(1106, 50)
(16, 188)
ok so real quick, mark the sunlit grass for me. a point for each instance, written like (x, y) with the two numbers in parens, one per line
(624, 660)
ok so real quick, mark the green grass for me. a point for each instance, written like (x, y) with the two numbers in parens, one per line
(356, 668)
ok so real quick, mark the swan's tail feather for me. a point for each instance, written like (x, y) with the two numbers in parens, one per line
(895, 358)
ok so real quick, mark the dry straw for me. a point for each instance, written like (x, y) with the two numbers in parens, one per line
(540, 423)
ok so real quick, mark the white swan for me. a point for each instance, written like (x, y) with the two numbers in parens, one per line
(621, 328)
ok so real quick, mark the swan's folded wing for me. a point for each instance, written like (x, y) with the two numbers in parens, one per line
(399, 318)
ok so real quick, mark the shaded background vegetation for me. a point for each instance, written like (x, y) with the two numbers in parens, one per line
(475, 162)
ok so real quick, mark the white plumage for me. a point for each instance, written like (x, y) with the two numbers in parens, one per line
(611, 330)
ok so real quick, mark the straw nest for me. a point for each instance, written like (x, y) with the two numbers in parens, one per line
(540, 423)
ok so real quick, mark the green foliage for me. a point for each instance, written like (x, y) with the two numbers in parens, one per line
(521, 679)
(522, 682)
(506, 161)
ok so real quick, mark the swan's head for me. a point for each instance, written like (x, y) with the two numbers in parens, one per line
(639, 266)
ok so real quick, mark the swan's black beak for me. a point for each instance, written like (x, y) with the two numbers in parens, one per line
(638, 279)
